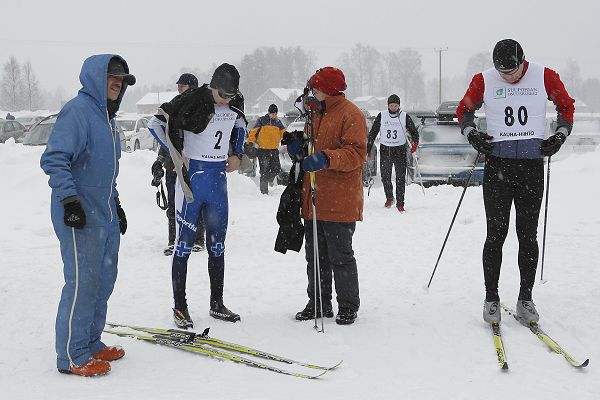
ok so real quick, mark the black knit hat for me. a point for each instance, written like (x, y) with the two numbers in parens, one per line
(226, 79)
(188, 79)
(394, 99)
(508, 55)
(273, 108)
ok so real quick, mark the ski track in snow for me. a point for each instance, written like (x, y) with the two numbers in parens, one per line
(408, 342)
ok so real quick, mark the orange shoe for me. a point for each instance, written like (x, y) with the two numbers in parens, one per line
(92, 367)
(388, 203)
(109, 353)
(400, 208)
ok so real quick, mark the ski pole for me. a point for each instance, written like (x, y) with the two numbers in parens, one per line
(311, 105)
(454, 217)
(545, 218)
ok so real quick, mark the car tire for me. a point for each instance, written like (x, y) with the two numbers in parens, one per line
(136, 145)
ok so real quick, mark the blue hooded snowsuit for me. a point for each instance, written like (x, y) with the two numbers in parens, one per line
(82, 159)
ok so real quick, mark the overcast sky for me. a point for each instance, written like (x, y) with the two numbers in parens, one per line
(158, 38)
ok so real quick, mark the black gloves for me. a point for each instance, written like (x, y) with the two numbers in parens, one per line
(157, 173)
(296, 144)
(551, 145)
(121, 214)
(74, 214)
(479, 140)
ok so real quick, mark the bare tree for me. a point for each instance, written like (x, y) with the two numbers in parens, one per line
(32, 92)
(361, 67)
(571, 77)
(477, 63)
(11, 88)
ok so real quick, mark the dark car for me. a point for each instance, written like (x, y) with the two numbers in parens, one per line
(11, 129)
(444, 155)
(40, 132)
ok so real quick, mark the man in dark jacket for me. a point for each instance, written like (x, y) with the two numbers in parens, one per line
(82, 161)
(514, 94)
(185, 82)
(394, 127)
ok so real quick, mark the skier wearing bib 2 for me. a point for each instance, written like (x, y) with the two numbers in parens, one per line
(393, 126)
(514, 95)
(204, 134)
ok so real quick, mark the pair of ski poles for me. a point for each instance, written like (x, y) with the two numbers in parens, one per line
(458, 207)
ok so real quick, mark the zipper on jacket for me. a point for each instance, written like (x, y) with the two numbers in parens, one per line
(112, 182)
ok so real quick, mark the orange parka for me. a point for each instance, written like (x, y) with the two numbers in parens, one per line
(341, 133)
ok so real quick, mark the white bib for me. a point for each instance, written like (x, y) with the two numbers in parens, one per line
(515, 111)
(212, 144)
(391, 131)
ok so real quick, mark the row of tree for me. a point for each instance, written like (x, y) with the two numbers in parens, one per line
(19, 88)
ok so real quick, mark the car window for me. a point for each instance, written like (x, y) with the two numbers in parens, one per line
(126, 124)
(39, 134)
(441, 134)
(18, 126)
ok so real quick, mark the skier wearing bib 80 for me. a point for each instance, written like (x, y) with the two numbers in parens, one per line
(204, 135)
(514, 94)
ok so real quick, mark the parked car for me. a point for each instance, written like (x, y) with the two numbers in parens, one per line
(585, 135)
(40, 132)
(444, 155)
(29, 121)
(137, 134)
(11, 129)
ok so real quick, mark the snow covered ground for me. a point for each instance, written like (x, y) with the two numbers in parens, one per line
(407, 343)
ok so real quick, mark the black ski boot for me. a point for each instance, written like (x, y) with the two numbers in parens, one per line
(219, 311)
(182, 318)
(309, 312)
(169, 249)
(345, 316)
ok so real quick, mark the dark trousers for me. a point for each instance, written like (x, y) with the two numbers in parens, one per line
(270, 166)
(170, 179)
(393, 157)
(506, 181)
(336, 259)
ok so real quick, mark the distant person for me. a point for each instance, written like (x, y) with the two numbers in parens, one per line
(185, 82)
(514, 95)
(10, 117)
(214, 127)
(394, 128)
(267, 134)
(82, 161)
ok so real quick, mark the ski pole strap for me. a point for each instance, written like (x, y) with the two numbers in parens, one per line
(160, 195)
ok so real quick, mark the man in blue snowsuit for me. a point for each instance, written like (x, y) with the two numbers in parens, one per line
(204, 130)
(82, 161)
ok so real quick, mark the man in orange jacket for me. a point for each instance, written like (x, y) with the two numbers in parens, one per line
(340, 145)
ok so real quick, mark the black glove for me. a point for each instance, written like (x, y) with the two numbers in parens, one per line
(479, 140)
(122, 218)
(74, 214)
(296, 144)
(551, 145)
(157, 173)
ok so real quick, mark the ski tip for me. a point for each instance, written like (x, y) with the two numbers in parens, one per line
(584, 364)
(504, 367)
(318, 375)
(336, 365)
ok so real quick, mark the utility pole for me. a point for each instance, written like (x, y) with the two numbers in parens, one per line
(440, 73)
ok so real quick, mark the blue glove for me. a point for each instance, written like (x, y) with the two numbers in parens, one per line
(295, 148)
(315, 162)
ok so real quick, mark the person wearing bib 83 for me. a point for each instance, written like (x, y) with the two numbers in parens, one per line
(514, 95)
(206, 132)
(393, 126)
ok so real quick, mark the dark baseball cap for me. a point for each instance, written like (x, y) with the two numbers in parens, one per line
(116, 68)
(226, 79)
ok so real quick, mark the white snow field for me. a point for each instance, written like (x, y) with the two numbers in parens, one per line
(407, 343)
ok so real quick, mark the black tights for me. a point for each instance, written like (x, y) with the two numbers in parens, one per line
(506, 181)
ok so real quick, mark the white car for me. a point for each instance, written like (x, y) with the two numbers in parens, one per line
(137, 135)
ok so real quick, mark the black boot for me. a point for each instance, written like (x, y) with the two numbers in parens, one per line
(182, 318)
(309, 312)
(345, 316)
(219, 311)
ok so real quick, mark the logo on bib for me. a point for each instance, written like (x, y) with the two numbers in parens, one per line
(499, 93)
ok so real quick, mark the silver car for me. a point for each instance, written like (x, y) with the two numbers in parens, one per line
(11, 129)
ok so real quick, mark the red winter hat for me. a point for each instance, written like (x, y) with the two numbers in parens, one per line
(329, 80)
